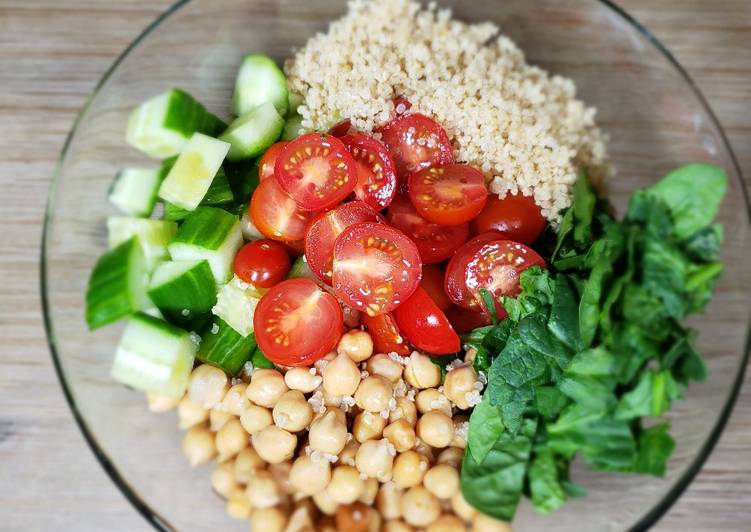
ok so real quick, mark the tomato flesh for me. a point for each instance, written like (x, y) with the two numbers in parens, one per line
(276, 214)
(385, 334)
(262, 263)
(376, 174)
(341, 128)
(268, 160)
(297, 323)
(401, 105)
(464, 320)
(517, 216)
(448, 195)
(316, 170)
(375, 268)
(435, 243)
(416, 142)
(425, 326)
(322, 233)
(432, 282)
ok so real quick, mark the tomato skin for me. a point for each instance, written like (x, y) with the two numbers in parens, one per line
(490, 236)
(268, 160)
(432, 283)
(341, 129)
(316, 170)
(416, 142)
(297, 323)
(464, 320)
(401, 105)
(376, 174)
(262, 263)
(295, 248)
(385, 334)
(435, 243)
(276, 215)
(517, 216)
(425, 326)
(449, 195)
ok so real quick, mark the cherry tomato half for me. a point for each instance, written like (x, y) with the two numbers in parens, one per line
(448, 195)
(416, 142)
(432, 282)
(322, 233)
(316, 170)
(401, 105)
(268, 160)
(425, 326)
(435, 242)
(297, 323)
(376, 174)
(341, 128)
(517, 216)
(464, 320)
(375, 268)
(295, 248)
(262, 263)
(276, 215)
(493, 266)
(385, 334)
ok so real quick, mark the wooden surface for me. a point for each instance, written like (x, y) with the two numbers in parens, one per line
(52, 53)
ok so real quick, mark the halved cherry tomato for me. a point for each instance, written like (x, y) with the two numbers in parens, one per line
(316, 170)
(297, 323)
(262, 263)
(276, 214)
(268, 160)
(416, 142)
(341, 128)
(448, 195)
(435, 242)
(517, 216)
(432, 283)
(490, 236)
(425, 326)
(375, 268)
(295, 248)
(322, 233)
(401, 105)
(493, 266)
(385, 334)
(376, 174)
(464, 320)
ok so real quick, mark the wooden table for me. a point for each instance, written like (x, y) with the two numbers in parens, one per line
(52, 53)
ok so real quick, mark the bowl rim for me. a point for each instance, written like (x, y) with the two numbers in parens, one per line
(158, 522)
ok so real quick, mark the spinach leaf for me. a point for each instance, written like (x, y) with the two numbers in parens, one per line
(584, 208)
(485, 426)
(655, 447)
(547, 492)
(549, 401)
(606, 443)
(564, 314)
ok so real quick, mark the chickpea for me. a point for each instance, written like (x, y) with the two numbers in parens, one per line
(424, 449)
(302, 380)
(268, 520)
(356, 344)
(374, 394)
(452, 456)
(255, 418)
(369, 492)
(198, 445)
(345, 486)
(447, 523)
(160, 403)
(207, 385)
(218, 418)
(383, 365)
(461, 426)
(420, 372)
(436, 429)
(309, 476)
(328, 434)
(325, 503)
(231, 439)
(401, 435)
(280, 474)
(340, 415)
(273, 444)
(405, 409)
(347, 456)
(410, 469)
(462, 508)
(397, 526)
(301, 519)
(355, 517)
(419, 507)
(235, 400)
(485, 523)
(459, 383)
(368, 426)
(223, 479)
(431, 399)
(263, 491)
(442, 480)
(326, 524)
(246, 463)
(238, 506)
(387, 501)
(266, 387)
(341, 376)
(292, 412)
(375, 458)
(190, 414)
(330, 400)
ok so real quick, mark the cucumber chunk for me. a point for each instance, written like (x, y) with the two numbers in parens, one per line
(219, 194)
(301, 269)
(259, 360)
(249, 230)
(243, 179)
(154, 356)
(153, 236)
(183, 289)
(295, 100)
(236, 304)
(259, 80)
(224, 347)
(252, 133)
(161, 126)
(134, 191)
(292, 127)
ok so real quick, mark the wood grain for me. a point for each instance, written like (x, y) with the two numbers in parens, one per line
(51, 56)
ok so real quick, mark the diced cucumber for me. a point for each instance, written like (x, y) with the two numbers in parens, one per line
(183, 289)
(153, 235)
(250, 134)
(259, 80)
(301, 269)
(212, 234)
(219, 193)
(295, 100)
(224, 347)
(236, 304)
(243, 178)
(259, 360)
(154, 356)
(117, 286)
(249, 230)
(161, 126)
(134, 190)
(190, 178)
(292, 127)
(174, 213)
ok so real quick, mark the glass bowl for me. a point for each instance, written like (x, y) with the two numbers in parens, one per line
(655, 118)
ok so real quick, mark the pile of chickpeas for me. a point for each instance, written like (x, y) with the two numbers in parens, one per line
(357, 442)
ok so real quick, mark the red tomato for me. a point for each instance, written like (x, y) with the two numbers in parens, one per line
(490, 236)
(322, 233)
(316, 170)
(341, 128)
(385, 334)
(517, 216)
(296, 247)
(276, 214)
(296, 323)
(449, 195)
(435, 242)
(416, 142)
(262, 263)
(375, 268)
(268, 160)
(425, 326)
(494, 266)
(464, 320)
(432, 283)
(401, 105)
(376, 175)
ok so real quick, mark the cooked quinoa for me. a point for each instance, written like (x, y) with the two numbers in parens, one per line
(522, 127)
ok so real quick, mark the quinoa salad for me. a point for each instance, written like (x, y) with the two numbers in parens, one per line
(387, 295)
